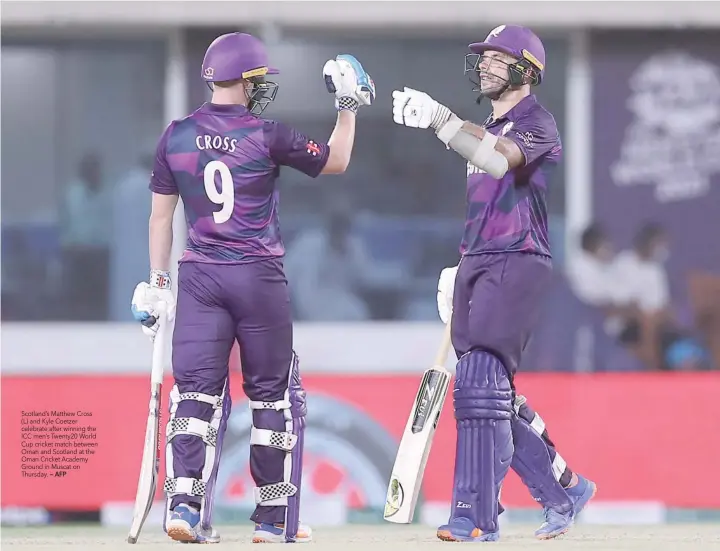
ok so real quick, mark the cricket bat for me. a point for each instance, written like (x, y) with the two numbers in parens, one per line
(150, 465)
(407, 474)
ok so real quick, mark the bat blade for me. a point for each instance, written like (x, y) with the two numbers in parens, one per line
(150, 463)
(149, 467)
(409, 468)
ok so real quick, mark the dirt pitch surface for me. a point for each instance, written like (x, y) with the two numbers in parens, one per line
(676, 537)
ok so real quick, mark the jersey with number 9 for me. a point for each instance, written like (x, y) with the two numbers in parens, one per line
(224, 162)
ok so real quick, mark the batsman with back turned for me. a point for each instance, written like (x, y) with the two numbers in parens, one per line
(495, 293)
(224, 161)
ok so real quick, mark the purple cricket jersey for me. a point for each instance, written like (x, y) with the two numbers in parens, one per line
(510, 214)
(224, 162)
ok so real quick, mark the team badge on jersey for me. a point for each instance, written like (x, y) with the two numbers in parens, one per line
(313, 148)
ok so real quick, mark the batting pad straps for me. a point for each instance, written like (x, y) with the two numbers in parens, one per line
(214, 401)
(275, 495)
(193, 427)
(184, 486)
(207, 431)
(280, 405)
(535, 421)
(273, 439)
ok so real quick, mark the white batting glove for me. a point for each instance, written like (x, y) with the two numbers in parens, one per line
(418, 110)
(446, 289)
(146, 300)
(348, 81)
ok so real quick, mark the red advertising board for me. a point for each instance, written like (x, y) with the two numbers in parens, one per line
(639, 436)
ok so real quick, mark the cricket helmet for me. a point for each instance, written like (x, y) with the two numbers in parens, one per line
(236, 56)
(518, 42)
(522, 44)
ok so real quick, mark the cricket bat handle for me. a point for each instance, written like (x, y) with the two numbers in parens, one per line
(445, 345)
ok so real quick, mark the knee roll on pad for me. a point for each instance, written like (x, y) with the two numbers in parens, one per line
(482, 401)
(291, 411)
(482, 388)
(204, 422)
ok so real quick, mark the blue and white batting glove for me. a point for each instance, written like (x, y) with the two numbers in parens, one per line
(348, 81)
(148, 296)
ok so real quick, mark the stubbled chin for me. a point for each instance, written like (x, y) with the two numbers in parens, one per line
(491, 84)
(489, 89)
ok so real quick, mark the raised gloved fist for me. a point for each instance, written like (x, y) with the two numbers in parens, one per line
(446, 288)
(348, 81)
(147, 299)
(418, 110)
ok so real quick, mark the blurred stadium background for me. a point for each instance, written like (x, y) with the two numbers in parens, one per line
(628, 394)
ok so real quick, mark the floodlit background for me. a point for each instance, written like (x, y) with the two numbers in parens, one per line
(626, 392)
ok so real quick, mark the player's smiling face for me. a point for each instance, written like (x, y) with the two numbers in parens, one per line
(493, 70)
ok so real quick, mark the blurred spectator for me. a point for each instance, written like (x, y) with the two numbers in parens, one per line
(27, 270)
(661, 342)
(129, 260)
(705, 299)
(595, 280)
(86, 207)
(325, 267)
(642, 270)
(591, 271)
(330, 270)
(86, 230)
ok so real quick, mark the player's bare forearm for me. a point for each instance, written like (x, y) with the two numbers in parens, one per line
(341, 143)
(161, 234)
(507, 147)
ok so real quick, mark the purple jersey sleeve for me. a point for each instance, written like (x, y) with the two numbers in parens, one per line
(161, 180)
(288, 147)
(536, 134)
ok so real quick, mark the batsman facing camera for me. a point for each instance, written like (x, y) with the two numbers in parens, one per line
(492, 298)
(224, 160)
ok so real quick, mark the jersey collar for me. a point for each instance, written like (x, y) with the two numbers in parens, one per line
(229, 109)
(522, 107)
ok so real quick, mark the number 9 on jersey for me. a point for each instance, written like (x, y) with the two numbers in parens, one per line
(226, 196)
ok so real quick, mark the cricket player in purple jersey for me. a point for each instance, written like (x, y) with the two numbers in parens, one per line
(495, 292)
(224, 160)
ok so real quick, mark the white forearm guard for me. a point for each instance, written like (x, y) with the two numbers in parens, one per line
(480, 152)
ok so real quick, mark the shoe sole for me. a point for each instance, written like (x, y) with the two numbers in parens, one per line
(258, 538)
(184, 535)
(552, 536)
(446, 535)
(178, 533)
